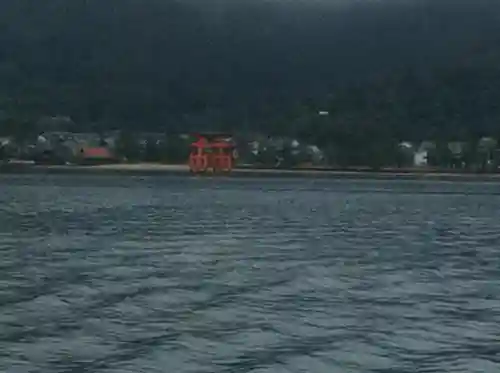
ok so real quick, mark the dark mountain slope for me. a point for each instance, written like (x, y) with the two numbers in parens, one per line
(174, 63)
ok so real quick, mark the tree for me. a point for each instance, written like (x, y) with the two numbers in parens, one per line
(441, 155)
(404, 155)
(127, 146)
(152, 151)
(175, 150)
(485, 150)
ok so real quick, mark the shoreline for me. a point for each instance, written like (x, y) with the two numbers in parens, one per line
(146, 169)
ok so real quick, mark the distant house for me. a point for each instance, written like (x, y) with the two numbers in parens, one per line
(458, 151)
(5, 141)
(406, 145)
(54, 147)
(406, 154)
(487, 153)
(423, 153)
(5, 148)
(95, 155)
(315, 154)
(420, 158)
(414, 154)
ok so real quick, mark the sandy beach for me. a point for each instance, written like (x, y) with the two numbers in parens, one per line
(183, 170)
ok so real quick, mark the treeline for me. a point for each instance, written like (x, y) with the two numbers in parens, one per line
(177, 67)
(170, 149)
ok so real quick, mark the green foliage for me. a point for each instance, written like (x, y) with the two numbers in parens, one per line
(176, 150)
(267, 157)
(151, 63)
(127, 147)
(170, 149)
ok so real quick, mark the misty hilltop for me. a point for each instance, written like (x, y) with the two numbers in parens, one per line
(174, 63)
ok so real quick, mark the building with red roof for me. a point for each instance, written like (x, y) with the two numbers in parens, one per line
(96, 155)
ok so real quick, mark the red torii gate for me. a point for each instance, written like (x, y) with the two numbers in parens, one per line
(211, 152)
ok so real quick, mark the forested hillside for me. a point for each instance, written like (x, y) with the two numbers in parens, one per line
(406, 69)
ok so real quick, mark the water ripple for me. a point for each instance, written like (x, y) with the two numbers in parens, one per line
(116, 274)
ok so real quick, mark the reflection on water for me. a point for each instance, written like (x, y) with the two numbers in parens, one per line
(121, 274)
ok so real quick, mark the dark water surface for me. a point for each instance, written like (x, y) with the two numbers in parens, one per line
(123, 274)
